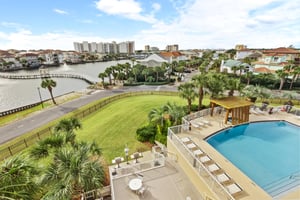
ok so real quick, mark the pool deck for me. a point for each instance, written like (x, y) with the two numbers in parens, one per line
(252, 190)
(174, 181)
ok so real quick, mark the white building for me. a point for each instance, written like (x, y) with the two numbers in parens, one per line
(86, 46)
(93, 47)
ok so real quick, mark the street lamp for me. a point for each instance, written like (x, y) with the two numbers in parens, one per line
(40, 97)
(126, 150)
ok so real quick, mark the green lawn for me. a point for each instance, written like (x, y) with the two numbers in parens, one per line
(115, 125)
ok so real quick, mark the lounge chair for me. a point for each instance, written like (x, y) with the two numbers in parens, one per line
(260, 112)
(194, 124)
(186, 140)
(206, 122)
(204, 159)
(252, 111)
(198, 152)
(234, 189)
(213, 168)
(191, 146)
(223, 178)
(199, 123)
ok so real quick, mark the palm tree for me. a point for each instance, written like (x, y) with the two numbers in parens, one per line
(157, 70)
(68, 126)
(102, 76)
(233, 84)
(294, 70)
(108, 72)
(135, 71)
(199, 81)
(240, 68)
(127, 69)
(49, 84)
(72, 172)
(215, 83)
(43, 147)
(156, 115)
(175, 112)
(17, 179)
(146, 72)
(248, 76)
(234, 69)
(187, 91)
(282, 75)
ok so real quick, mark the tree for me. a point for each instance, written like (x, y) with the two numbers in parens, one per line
(157, 70)
(146, 72)
(49, 84)
(68, 126)
(215, 84)
(17, 179)
(102, 76)
(294, 70)
(199, 81)
(156, 116)
(108, 72)
(175, 113)
(135, 71)
(72, 172)
(187, 91)
(233, 84)
(295, 73)
(248, 76)
(240, 68)
(282, 76)
(234, 69)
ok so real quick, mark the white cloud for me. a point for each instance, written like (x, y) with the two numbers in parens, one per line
(156, 6)
(87, 21)
(126, 8)
(62, 12)
(200, 24)
(26, 40)
(222, 24)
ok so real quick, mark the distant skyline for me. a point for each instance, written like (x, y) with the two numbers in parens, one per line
(56, 24)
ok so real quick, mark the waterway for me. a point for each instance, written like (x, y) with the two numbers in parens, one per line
(17, 93)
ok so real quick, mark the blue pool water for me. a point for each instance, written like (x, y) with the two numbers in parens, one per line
(267, 152)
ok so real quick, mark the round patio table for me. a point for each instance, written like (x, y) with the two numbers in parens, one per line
(135, 184)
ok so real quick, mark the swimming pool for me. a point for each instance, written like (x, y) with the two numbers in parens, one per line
(267, 152)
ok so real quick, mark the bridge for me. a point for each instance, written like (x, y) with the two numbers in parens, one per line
(43, 76)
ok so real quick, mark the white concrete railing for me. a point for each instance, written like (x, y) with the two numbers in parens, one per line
(203, 172)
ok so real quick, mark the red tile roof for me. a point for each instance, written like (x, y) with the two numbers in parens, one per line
(167, 54)
(263, 70)
(282, 50)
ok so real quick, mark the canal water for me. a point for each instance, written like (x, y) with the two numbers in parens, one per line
(17, 93)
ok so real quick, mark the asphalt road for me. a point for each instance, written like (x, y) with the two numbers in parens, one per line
(40, 118)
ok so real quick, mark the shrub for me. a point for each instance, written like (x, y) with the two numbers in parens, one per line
(146, 133)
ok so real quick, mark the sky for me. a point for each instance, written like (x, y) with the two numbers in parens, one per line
(192, 24)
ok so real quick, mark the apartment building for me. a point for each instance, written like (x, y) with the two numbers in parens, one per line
(127, 47)
(173, 47)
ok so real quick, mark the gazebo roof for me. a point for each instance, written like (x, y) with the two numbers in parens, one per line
(231, 102)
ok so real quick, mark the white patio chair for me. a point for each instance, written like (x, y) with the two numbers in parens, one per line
(142, 191)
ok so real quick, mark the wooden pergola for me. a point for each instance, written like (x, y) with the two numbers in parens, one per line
(237, 107)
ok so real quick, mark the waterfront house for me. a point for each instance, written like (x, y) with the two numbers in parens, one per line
(9, 61)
